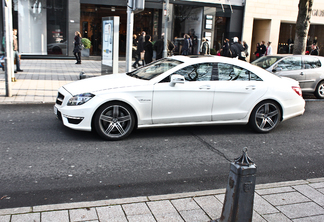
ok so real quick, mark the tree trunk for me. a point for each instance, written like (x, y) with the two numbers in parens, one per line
(302, 26)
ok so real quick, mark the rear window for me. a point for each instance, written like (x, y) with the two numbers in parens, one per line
(311, 62)
(266, 61)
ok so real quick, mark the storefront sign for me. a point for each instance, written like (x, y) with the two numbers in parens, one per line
(318, 12)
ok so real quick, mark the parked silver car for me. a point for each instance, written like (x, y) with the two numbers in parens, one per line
(306, 69)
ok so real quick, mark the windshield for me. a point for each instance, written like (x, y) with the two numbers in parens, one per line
(154, 69)
(266, 61)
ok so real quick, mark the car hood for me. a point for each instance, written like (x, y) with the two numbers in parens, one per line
(96, 85)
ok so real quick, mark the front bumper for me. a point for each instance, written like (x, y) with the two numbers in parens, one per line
(74, 117)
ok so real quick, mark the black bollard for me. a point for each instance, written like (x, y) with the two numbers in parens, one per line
(239, 197)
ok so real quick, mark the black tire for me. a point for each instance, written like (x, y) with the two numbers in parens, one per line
(319, 91)
(114, 121)
(265, 117)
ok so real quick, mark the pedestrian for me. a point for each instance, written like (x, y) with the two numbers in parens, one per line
(257, 52)
(185, 45)
(158, 47)
(263, 49)
(226, 48)
(140, 50)
(77, 47)
(237, 49)
(314, 50)
(204, 48)
(16, 53)
(246, 48)
(269, 49)
(148, 49)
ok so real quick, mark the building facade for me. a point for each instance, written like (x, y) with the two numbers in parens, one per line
(46, 27)
(275, 21)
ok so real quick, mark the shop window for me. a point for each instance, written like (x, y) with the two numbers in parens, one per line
(187, 20)
(41, 26)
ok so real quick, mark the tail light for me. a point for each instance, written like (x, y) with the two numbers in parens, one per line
(297, 90)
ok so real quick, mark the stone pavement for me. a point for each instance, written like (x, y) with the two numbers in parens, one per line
(298, 201)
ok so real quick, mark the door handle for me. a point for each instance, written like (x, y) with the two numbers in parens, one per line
(205, 87)
(302, 73)
(251, 87)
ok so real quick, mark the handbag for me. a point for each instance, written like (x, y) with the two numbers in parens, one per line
(80, 46)
(142, 55)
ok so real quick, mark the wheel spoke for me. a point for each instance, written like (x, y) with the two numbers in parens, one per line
(109, 128)
(263, 123)
(259, 115)
(120, 128)
(106, 118)
(273, 113)
(115, 111)
(266, 108)
(269, 120)
(124, 118)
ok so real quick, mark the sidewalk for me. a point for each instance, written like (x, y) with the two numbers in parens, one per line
(40, 80)
(298, 201)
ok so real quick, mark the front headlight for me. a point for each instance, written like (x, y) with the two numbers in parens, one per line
(80, 99)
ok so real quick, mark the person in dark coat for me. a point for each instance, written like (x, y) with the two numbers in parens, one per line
(314, 50)
(140, 48)
(77, 47)
(148, 48)
(257, 53)
(236, 49)
(225, 48)
(185, 45)
(159, 47)
(263, 49)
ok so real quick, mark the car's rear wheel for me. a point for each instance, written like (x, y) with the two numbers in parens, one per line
(265, 117)
(319, 91)
(114, 121)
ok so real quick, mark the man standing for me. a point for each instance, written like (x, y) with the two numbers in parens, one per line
(140, 49)
(263, 49)
(314, 50)
(237, 49)
(15, 49)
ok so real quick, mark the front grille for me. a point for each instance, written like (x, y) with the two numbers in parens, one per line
(59, 98)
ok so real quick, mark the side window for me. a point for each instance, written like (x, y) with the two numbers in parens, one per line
(229, 72)
(311, 62)
(197, 72)
(290, 63)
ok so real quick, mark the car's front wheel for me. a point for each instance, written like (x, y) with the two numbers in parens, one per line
(114, 121)
(265, 117)
(319, 91)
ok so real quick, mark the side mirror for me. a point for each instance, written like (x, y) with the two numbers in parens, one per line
(177, 79)
(277, 69)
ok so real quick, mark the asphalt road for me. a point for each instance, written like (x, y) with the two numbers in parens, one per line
(43, 162)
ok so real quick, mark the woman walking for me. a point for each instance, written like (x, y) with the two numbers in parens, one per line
(77, 47)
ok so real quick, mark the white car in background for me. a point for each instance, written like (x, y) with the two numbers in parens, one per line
(308, 70)
(180, 90)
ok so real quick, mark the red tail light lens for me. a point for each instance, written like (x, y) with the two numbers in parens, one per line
(298, 90)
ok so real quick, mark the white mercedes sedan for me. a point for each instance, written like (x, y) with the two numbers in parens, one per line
(180, 90)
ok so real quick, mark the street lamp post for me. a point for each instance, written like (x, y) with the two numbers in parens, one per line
(7, 24)
(166, 20)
